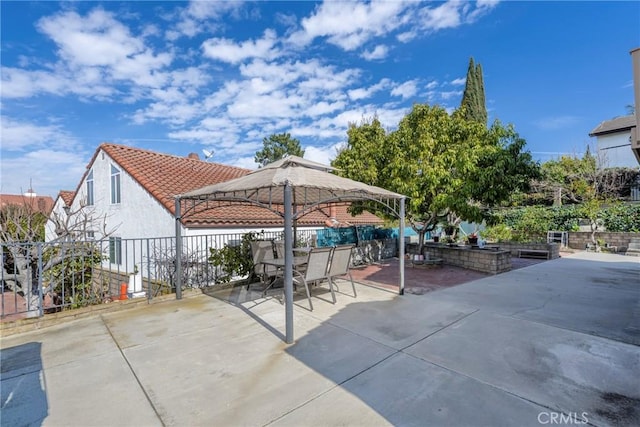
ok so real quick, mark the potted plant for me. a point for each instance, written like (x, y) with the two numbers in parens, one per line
(473, 239)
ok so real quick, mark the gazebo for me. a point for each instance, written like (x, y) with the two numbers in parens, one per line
(290, 187)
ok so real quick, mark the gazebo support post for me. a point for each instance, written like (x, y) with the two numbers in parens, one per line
(288, 262)
(401, 245)
(178, 251)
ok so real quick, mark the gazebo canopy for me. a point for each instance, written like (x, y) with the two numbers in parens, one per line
(311, 185)
(290, 187)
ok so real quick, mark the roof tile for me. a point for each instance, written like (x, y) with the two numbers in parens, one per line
(164, 176)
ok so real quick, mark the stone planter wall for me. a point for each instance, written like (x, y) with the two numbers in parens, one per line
(513, 247)
(579, 239)
(483, 260)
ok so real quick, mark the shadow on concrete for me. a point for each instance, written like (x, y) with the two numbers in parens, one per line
(23, 391)
(569, 348)
(246, 299)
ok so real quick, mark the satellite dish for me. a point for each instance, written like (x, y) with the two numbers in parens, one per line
(207, 154)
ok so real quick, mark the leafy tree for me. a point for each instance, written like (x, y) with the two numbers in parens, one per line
(473, 99)
(276, 146)
(442, 162)
(503, 168)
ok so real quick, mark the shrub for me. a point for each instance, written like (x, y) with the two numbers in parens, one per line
(233, 261)
(497, 233)
(622, 218)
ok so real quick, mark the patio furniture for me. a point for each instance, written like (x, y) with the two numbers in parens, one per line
(262, 250)
(299, 263)
(340, 263)
(317, 267)
(279, 245)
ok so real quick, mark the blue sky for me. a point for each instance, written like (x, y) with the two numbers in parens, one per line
(179, 77)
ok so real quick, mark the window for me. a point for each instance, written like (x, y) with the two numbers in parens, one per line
(90, 200)
(115, 250)
(91, 235)
(115, 185)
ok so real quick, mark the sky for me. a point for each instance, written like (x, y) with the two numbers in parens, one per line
(180, 77)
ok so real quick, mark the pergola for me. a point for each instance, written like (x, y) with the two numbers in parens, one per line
(290, 188)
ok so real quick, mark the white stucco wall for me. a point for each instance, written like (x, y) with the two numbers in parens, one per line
(137, 215)
(50, 227)
(614, 150)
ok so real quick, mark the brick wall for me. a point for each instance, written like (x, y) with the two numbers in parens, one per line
(579, 239)
(513, 247)
(483, 260)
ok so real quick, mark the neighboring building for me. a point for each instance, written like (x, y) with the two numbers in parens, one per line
(614, 142)
(129, 193)
(29, 200)
(59, 215)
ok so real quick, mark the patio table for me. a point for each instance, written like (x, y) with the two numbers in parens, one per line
(298, 261)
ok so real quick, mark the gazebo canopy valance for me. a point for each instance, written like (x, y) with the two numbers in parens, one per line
(290, 187)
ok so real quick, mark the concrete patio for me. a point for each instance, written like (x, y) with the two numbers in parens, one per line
(558, 340)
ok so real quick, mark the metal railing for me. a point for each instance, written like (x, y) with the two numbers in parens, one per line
(39, 278)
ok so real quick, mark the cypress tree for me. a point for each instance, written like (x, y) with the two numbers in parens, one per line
(482, 105)
(473, 98)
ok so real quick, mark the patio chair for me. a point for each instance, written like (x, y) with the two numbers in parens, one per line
(263, 250)
(315, 270)
(340, 263)
(279, 245)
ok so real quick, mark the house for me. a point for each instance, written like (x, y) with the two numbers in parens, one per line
(614, 142)
(29, 201)
(128, 193)
(59, 214)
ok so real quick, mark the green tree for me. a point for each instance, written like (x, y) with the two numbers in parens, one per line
(504, 168)
(276, 146)
(446, 165)
(576, 180)
(473, 102)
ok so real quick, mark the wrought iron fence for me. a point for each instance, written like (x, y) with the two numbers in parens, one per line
(40, 278)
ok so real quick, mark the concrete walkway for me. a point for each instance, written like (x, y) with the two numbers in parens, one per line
(553, 343)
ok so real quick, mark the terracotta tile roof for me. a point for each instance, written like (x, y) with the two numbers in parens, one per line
(67, 196)
(164, 176)
(42, 204)
(618, 124)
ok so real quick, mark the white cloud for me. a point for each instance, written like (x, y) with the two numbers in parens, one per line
(200, 16)
(459, 81)
(49, 171)
(432, 85)
(482, 7)
(406, 89)
(365, 21)
(99, 40)
(97, 58)
(322, 155)
(446, 95)
(379, 52)
(22, 136)
(17, 83)
(446, 15)
(226, 50)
